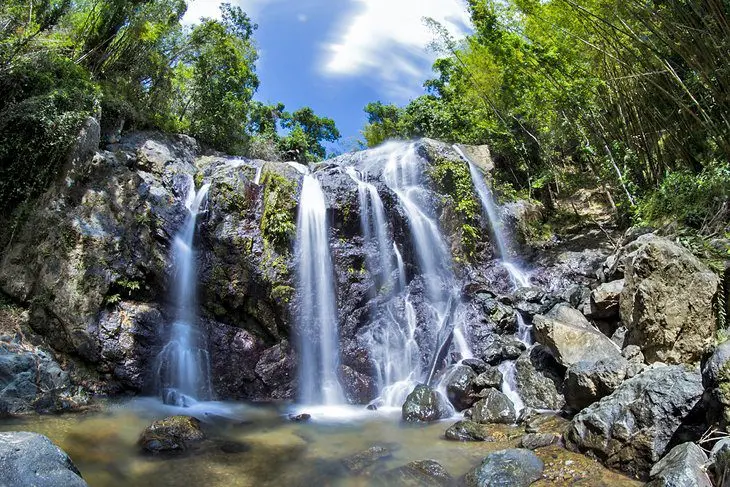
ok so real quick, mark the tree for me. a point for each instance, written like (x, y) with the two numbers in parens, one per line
(315, 130)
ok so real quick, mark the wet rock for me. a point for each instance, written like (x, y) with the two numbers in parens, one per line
(539, 379)
(459, 387)
(30, 459)
(683, 466)
(423, 473)
(666, 303)
(478, 366)
(467, 431)
(587, 382)
(358, 388)
(514, 468)
(631, 428)
(359, 462)
(496, 349)
(424, 405)
(277, 370)
(172, 434)
(570, 338)
(533, 441)
(495, 407)
(31, 380)
(490, 377)
(300, 418)
(604, 300)
(716, 379)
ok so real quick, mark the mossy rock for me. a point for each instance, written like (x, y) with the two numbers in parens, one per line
(172, 434)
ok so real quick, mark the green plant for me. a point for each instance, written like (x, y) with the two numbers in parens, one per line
(277, 221)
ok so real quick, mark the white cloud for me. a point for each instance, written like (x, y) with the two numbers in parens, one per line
(211, 8)
(302, 17)
(387, 40)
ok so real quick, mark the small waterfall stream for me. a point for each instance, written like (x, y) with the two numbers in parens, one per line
(183, 368)
(317, 314)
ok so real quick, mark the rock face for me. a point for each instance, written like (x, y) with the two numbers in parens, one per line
(666, 303)
(31, 459)
(570, 338)
(587, 382)
(424, 405)
(683, 466)
(506, 468)
(173, 434)
(30, 380)
(631, 428)
(495, 407)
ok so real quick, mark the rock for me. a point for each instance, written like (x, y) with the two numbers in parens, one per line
(459, 387)
(31, 380)
(716, 379)
(300, 418)
(720, 467)
(467, 431)
(30, 459)
(506, 468)
(478, 366)
(631, 428)
(587, 382)
(494, 408)
(604, 300)
(424, 405)
(539, 379)
(683, 466)
(570, 338)
(619, 336)
(712, 368)
(359, 462)
(667, 301)
(496, 349)
(533, 441)
(490, 377)
(423, 473)
(358, 388)
(172, 434)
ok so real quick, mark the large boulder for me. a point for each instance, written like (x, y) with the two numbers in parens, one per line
(683, 466)
(539, 379)
(516, 467)
(459, 387)
(716, 379)
(604, 301)
(495, 407)
(30, 459)
(424, 405)
(667, 301)
(631, 429)
(173, 434)
(571, 338)
(30, 379)
(587, 382)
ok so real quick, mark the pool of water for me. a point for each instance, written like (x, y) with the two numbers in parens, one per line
(259, 446)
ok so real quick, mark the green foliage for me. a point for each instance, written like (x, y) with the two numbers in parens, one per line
(277, 222)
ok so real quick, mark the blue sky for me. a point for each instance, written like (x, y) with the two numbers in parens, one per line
(338, 55)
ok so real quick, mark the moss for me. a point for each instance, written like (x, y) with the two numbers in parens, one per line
(198, 179)
(277, 222)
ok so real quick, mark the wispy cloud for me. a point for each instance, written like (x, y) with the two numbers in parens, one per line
(387, 41)
(211, 8)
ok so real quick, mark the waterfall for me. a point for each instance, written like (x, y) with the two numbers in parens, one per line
(501, 240)
(317, 315)
(183, 367)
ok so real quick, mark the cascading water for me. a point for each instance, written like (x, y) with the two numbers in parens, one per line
(501, 240)
(317, 316)
(509, 370)
(183, 367)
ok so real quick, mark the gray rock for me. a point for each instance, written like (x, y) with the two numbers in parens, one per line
(619, 336)
(424, 405)
(422, 473)
(667, 301)
(490, 377)
(478, 366)
(570, 338)
(604, 300)
(587, 382)
(539, 379)
(631, 428)
(361, 461)
(467, 431)
(495, 407)
(30, 459)
(506, 468)
(533, 441)
(713, 367)
(683, 466)
(459, 387)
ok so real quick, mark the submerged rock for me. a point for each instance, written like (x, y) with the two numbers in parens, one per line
(425, 405)
(359, 462)
(506, 468)
(422, 473)
(175, 433)
(683, 466)
(495, 407)
(667, 301)
(30, 459)
(631, 428)
(467, 430)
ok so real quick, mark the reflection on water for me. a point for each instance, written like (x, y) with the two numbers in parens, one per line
(259, 446)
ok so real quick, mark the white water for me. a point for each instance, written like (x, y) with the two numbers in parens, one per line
(257, 178)
(183, 368)
(317, 316)
(501, 239)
